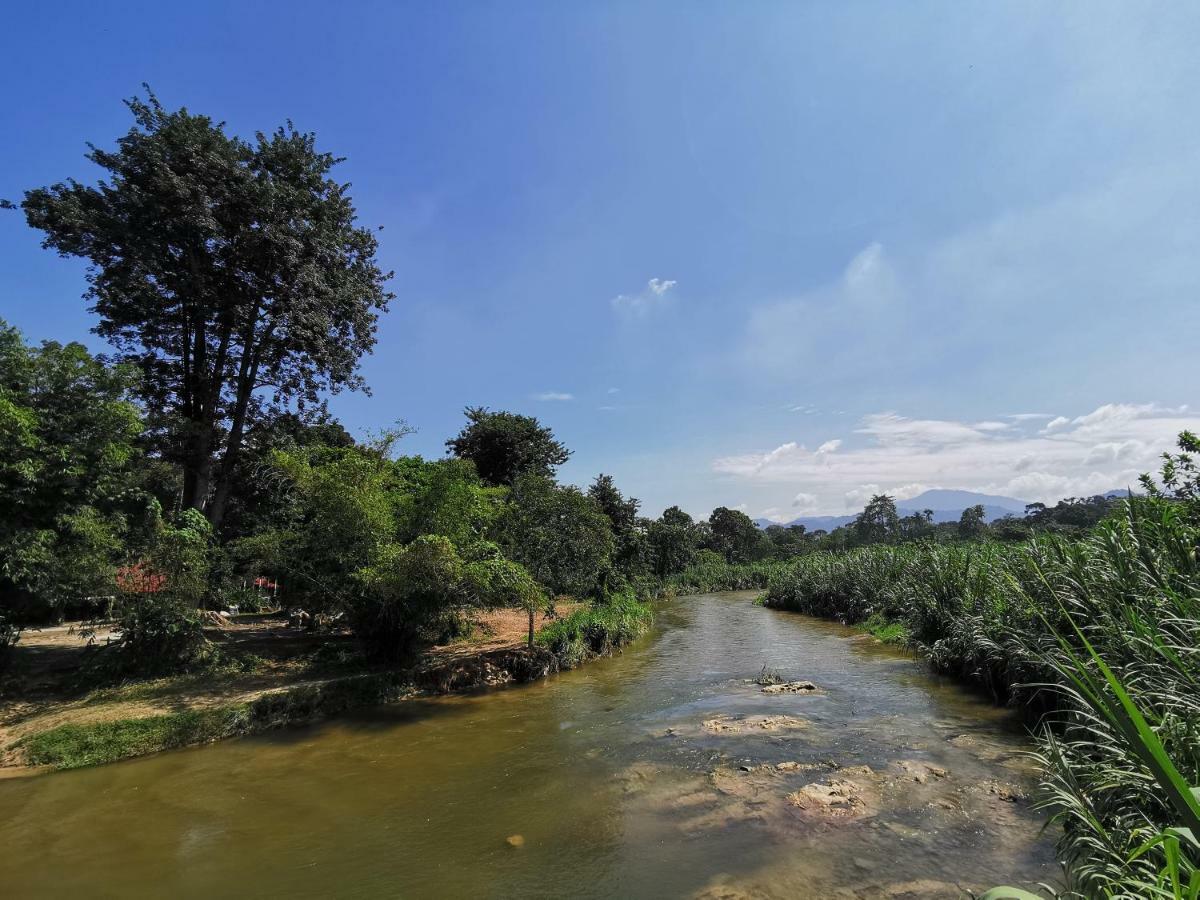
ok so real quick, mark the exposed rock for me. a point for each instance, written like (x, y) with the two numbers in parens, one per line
(836, 798)
(515, 840)
(920, 772)
(791, 687)
(731, 725)
(1009, 793)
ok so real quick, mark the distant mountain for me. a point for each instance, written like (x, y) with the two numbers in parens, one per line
(960, 500)
(947, 506)
(811, 523)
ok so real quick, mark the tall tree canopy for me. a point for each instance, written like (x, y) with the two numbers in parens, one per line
(230, 271)
(558, 534)
(504, 446)
(734, 534)
(878, 521)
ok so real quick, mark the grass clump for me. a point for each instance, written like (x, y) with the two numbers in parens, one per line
(768, 677)
(596, 630)
(76, 746)
(885, 631)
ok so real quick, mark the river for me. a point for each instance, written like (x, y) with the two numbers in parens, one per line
(663, 772)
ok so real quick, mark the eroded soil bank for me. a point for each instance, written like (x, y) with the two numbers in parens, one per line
(664, 772)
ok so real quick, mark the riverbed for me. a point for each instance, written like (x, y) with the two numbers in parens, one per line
(663, 772)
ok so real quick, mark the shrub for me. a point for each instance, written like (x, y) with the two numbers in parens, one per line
(596, 630)
(160, 635)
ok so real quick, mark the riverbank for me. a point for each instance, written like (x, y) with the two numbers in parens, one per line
(277, 676)
(668, 770)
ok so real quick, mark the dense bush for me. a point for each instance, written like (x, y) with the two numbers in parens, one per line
(596, 630)
(159, 635)
(1005, 616)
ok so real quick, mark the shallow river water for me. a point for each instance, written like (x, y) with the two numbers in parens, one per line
(663, 772)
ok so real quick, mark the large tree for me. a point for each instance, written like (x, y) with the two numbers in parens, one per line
(627, 528)
(673, 539)
(231, 272)
(504, 446)
(558, 533)
(734, 534)
(878, 522)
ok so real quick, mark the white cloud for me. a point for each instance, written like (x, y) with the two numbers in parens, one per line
(653, 295)
(614, 390)
(893, 430)
(804, 503)
(1097, 451)
(556, 396)
(829, 446)
(1056, 423)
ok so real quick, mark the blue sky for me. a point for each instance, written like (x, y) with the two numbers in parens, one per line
(771, 256)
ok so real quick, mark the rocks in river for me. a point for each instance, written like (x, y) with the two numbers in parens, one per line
(1009, 793)
(920, 772)
(738, 725)
(791, 687)
(833, 799)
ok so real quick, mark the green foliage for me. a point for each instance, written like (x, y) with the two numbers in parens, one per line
(734, 535)
(673, 540)
(445, 497)
(160, 635)
(709, 572)
(505, 446)
(67, 455)
(76, 746)
(1077, 617)
(415, 591)
(559, 535)
(345, 502)
(629, 538)
(878, 522)
(971, 524)
(219, 265)
(596, 630)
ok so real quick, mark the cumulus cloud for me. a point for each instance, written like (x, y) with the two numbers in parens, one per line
(653, 295)
(804, 503)
(830, 446)
(554, 396)
(1101, 450)
(1057, 422)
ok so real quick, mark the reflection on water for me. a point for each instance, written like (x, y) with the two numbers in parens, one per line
(885, 783)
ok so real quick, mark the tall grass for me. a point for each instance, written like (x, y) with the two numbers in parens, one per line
(1046, 624)
(596, 630)
(721, 576)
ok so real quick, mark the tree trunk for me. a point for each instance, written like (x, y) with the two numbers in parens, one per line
(247, 375)
(531, 625)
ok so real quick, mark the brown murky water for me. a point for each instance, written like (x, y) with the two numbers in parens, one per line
(664, 772)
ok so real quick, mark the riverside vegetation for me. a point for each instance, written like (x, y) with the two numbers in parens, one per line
(145, 493)
(1097, 636)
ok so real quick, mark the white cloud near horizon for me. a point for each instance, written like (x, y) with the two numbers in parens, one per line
(554, 396)
(653, 295)
(1102, 450)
